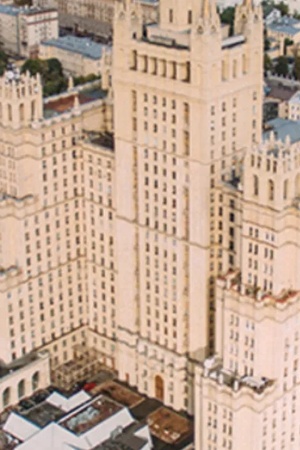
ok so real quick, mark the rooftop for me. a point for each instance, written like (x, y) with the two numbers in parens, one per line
(15, 10)
(283, 128)
(280, 91)
(91, 415)
(286, 25)
(119, 393)
(65, 103)
(213, 370)
(81, 45)
(105, 140)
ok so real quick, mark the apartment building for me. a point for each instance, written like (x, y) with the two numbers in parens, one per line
(251, 386)
(93, 16)
(22, 29)
(78, 56)
(162, 235)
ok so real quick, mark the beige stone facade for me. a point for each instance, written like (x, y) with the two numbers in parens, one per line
(118, 225)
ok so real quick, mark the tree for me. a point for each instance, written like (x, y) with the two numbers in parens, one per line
(287, 43)
(283, 8)
(268, 64)
(227, 16)
(281, 67)
(55, 66)
(266, 44)
(34, 66)
(296, 71)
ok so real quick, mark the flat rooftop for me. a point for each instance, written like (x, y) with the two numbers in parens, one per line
(169, 426)
(91, 415)
(81, 45)
(43, 414)
(285, 25)
(283, 128)
(12, 10)
(118, 393)
(66, 103)
(105, 140)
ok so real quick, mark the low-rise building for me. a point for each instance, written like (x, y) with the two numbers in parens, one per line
(278, 94)
(94, 16)
(285, 28)
(79, 56)
(76, 422)
(22, 29)
(294, 107)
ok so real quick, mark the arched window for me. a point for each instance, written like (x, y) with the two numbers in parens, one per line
(224, 71)
(32, 110)
(6, 397)
(21, 111)
(21, 389)
(9, 112)
(234, 69)
(35, 381)
(255, 185)
(271, 190)
(244, 64)
(285, 189)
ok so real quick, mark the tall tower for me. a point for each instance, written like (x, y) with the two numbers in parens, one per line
(187, 105)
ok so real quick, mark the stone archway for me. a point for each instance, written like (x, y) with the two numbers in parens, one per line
(159, 388)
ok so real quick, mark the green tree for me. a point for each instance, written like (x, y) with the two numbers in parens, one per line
(283, 8)
(55, 66)
(287, 43)
(266, 44)
(268, 64)
(34, 66)
(296, 70)
(227, 16)
(281, 67)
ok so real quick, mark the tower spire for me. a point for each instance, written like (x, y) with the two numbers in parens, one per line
(209, 14)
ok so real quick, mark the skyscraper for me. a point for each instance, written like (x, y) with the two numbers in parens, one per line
(187, 105)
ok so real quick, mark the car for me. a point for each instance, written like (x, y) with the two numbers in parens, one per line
(89, 386)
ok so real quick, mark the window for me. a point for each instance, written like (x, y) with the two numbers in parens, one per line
(271, 190)
(255, 185)
(171, 15)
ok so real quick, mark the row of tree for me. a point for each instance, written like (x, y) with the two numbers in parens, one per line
(53, 79)
(282, 67)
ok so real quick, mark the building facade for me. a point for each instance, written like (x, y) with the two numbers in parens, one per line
(22, 29)
(177, 75)
(78, 56)
(92, 16)
(162, 234)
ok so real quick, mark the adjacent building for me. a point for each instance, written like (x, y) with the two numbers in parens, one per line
(78, 56)
(76, 422)
(22, 29)
(92, 16)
